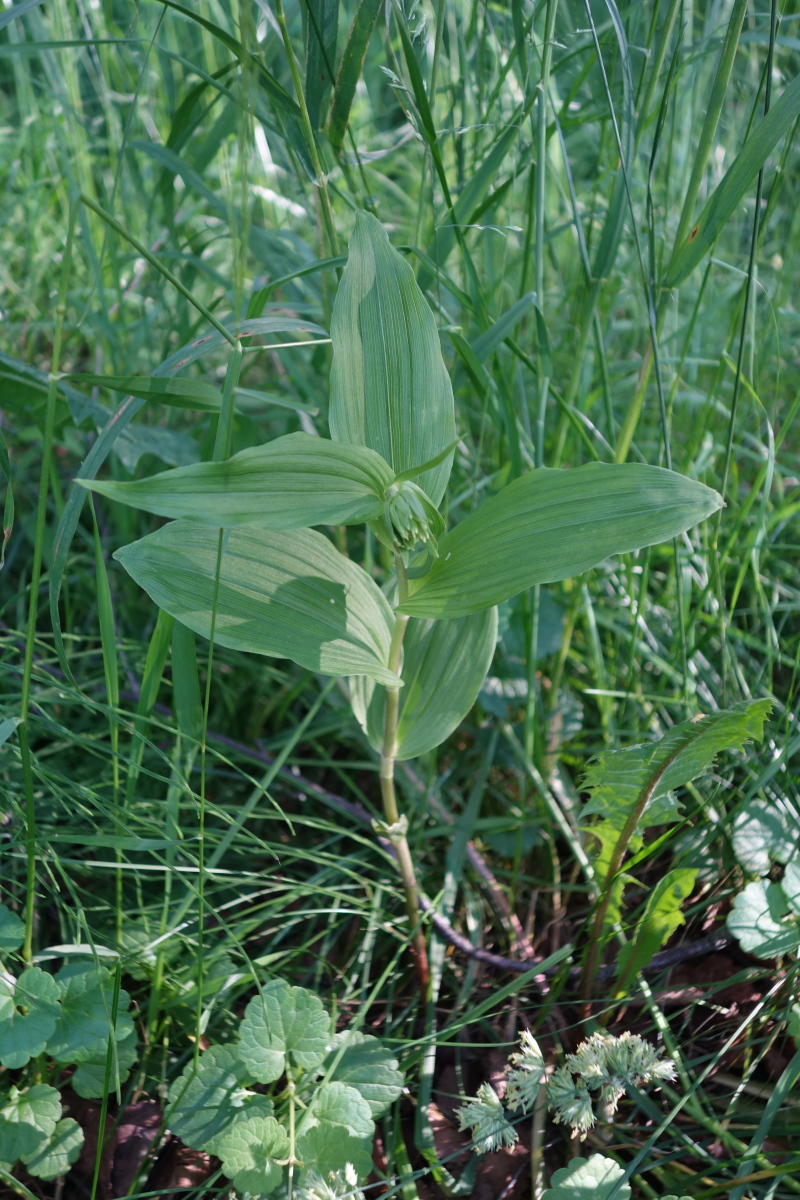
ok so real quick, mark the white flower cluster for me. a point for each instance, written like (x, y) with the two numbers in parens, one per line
(340, 1185)
(603, 1063)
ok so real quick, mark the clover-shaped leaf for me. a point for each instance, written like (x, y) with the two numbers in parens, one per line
(27, 1119)
(327, 1148)
(592, 1178)
(338, 1104)
(283, 1022)
(12, 930)
(89, 1079)
(83, 1025)
(206, 1102)
(761, 836)
(367, 1066)
(56, 1155)
(29, 1008)
(248, 1151)
(762, 921)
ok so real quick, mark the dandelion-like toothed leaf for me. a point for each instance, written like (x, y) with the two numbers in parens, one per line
(662, 916)
(289, 483)
(593, 1178)
(286, 595)
(389, 386)
(281, 1023)
(551, 525)
(249, 1150)
(444, 665)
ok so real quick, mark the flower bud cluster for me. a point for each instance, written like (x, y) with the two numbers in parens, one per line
(410, 516)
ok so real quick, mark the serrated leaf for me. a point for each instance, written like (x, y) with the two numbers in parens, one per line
(593, 1178)
(550, 525)
(283, 1022)
(761, 836)
(29, 1015)
(27, 1119)
(285, 595)
(289, 483)
(367, 1066)
(248, 1152)
(12, 930)
(328, 1148)
(83, 1025)
(339, 1104)
(444, 664)
(89, 1079)
(203, 1104)
(56, 1156)
(661, 917)
(179, 393)
(762, 921)
(389, 387)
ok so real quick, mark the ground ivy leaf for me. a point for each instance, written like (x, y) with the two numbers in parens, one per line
(27, 1119)
(338, 1104)
(761, 921)
(283, 1021)
(204, 1103)
(89, 1079)
(327, 1148)
(12, 930)
(367, 1066)
(593, 1178)
(82, 1029)
(58, 1154)
(761, 836)
(24, 1035)
(248, 1152)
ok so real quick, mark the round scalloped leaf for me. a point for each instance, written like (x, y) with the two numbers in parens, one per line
(89, 1079)
(82, 1029)
(25, 1034)
(12, 930)
(283, 1021)
(58, 1154)
(761, 836)
(761, 921)
(593, 1178)
(248, 1151)
(27, 1119)
(327, 1148)
(367, 1066)
(338, 1104)
(203, 1102)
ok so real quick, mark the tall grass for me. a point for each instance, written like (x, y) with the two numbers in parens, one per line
(562, 149)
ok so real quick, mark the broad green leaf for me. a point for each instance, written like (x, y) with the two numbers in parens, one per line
(90, 1077)
(283, 1022)
(12, 930)
(340, 1104)
(83, 1025)
(762, 835)
(550, 525)
(290, 483)
(285, 595)
(762, 921)
(350, 70)
(367, 1066)
(29, 1008)
(661, 917)
(27, 1119)
(444, 664)
(58, 1153)
(203, 1104)
(741, 176)
(326, 1149)
(495, 335)
(322, 28)
(179, 393)
(593, 1178)
(248, 1151)
(389, 386)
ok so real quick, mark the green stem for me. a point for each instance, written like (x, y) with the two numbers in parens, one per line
(388, 793)
(33, 606)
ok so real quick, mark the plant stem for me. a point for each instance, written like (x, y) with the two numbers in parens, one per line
(388, 794)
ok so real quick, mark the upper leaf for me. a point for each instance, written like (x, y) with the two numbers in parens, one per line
(550, 525)
(248, 1151)
(289, 595)
(180, 393)
(389, 386)
(12, 930)
(340, 1104)
(593, 1178)
(28, 1017)
(289, 483)
(367, 1066)
(283, 1022)
(444, 664)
